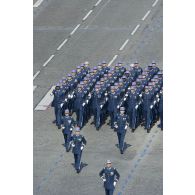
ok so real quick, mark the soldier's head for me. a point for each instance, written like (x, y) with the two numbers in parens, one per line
(160, 74)
(99, 66)
(136, 64)
(108, 163)
(95, 69)
(69, 77)
(122, 110)
(79, 87)
(66, 112)
(153, 63)
(78, 69)
(116, 67)
(112, 89)
(86, 64)
(77, 130)
(73, 73)
(57, 87)
(120, 64)
(104, 64)
(132, 89)
(146, 89)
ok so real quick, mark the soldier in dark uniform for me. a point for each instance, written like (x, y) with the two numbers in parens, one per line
(121, 128)
(57, 103)
(110, 177)
(68, 124)
(78, 142)
(161, 110)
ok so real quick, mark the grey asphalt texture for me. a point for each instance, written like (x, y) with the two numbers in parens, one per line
(98, 38)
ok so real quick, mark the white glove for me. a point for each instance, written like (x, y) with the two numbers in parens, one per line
(104, 180)
(140, 95)
(69, 96)
(157, 95)
(125, 126)
(158, 99)
(125, 99)
(126, 95)
(154, 102)
(82, 147)
(106, 94)
(114, 183)
(101, 106)
(70, 129)
(151, 106)
(89, 95)
(73, 145)
(118, 106)
(61, 105)
(106, 99)
(136, 106)
(83, 104)
(116, 126)
(65, 99)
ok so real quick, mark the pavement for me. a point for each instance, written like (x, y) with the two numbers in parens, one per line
(67, 33)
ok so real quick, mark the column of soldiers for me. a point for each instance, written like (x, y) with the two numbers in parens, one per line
(129, 96)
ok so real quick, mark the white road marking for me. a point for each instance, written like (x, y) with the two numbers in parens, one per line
(61, 45)
(50, 58)
(34, 87)
(135, 29)
(146, 15)
(75, 29)
(154, 3)
(124, 44)
(46, 101)
(38, 3)
(87, 15)
(114, 58)
(37, 73)
(97, 3)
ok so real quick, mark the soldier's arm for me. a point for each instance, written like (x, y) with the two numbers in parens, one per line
(84, 140)
(117, 175)
(101, 173)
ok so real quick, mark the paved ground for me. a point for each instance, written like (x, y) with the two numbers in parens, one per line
(98, 38)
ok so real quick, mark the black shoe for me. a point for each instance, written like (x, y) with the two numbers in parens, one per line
(148, 130)
(59, 127)
(132, 130)
(158, 126)
(121, 151)
(54, 121)
(78, 171)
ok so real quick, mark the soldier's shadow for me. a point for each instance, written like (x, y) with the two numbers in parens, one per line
(82, 165)
(125, 146)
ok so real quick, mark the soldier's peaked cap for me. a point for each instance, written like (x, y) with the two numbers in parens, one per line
(108, 162)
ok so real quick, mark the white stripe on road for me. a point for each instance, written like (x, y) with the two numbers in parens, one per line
(61, 45)
(146, 15)
(75, 29)
(34, 87)
(124, 44)
(114, 58)
(87, 15)
(36, 74)
(154, 3)
(46, 101)
(97, 3)
(48, 60)
(38, 3)
(135, 29)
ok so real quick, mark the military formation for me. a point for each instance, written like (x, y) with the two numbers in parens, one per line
(128, 96)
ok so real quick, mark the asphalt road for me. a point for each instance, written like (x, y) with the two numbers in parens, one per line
(110, 26)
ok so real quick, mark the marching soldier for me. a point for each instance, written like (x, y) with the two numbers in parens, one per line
(121, 128)
(78, 142)
(68, 124)
(57, 104)
(110, 177)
